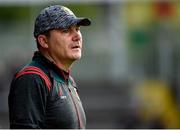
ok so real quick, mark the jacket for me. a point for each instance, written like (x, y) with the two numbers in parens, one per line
(43, 96)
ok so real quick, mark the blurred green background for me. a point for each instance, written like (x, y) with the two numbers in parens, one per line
(129, 75)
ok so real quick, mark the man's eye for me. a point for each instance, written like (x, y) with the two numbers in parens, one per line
(78, 28)
(65, 30)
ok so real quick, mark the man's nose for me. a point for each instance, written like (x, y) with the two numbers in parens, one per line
(76, 35)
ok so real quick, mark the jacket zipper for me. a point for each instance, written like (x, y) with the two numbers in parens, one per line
(77, 112)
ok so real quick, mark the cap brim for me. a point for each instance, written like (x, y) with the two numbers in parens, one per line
(83, 21)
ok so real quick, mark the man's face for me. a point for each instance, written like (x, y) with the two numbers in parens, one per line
(65, 45)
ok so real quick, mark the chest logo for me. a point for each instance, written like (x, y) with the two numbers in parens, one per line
(60, 93)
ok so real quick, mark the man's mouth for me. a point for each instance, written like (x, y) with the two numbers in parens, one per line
(75, 47)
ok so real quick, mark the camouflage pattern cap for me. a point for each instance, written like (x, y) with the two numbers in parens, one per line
(56, 16)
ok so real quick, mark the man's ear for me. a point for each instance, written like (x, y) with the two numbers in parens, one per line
(42, 39)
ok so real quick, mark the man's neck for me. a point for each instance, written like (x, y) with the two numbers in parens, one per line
(61, 65)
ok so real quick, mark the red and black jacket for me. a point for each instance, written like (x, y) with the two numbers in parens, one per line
(44, 96)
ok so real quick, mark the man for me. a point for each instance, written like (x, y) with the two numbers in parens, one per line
(43, 94)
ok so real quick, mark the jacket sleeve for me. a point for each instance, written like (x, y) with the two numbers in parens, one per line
(27, 102)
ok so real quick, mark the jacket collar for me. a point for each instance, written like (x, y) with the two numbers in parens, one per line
(43, 60)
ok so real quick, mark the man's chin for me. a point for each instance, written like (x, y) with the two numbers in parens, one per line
(76, 57)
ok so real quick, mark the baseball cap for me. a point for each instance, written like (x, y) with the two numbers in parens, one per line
(57, 16)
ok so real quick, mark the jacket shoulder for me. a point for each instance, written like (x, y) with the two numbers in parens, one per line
(30, 70)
